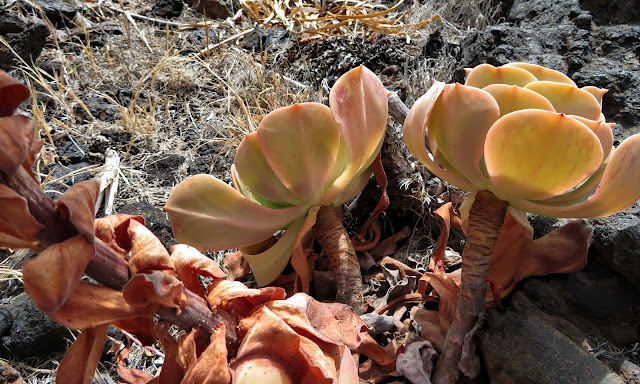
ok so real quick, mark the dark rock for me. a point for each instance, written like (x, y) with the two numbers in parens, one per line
(32, 333)
(26, 37)
(616, 242)
(521, 346)
(613, 11)
(99, 108)
(198, 40)
(265, 39)
(211, 8)
(154, 218)
(167, 8)
(59, 12)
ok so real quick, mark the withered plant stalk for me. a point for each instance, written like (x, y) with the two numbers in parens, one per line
(336, 244)
(485, 221)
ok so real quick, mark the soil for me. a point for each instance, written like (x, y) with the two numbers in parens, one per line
(146, 88)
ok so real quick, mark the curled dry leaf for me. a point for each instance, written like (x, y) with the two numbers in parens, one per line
(76, 206)
(52, 276)
(211, 366)
(236, 264)
(113, 231)
(154, 287)
(172, 371)
(449, 218)
(16, 133)
(235, 296)
(416, 362)
(12, 94)
(81, 360)
(147, 252)
(189, 263)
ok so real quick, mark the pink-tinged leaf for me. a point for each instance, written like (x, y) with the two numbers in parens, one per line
(458, 125)
(568, 99)
(348, 373)
(211, 366)
(358, 102)
(14, 232)
(414, 130)
(147, 252)
(154, 287)
(300, 143)
(486, 74)
(616, 192)
(256, 174)
(210, 215)
(12, 94)
(604, 133)
(511, 98)
(77, 205)
(535, 154)
(81, 360)
(352, 190)
(91, 305)
(542, 73)
(260, 370)
(598, 93)
(54, 274)
(16, 136)
(269, 264)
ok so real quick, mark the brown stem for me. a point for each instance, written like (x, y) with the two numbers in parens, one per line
(337, 246)
(106, 266)
(485, 221)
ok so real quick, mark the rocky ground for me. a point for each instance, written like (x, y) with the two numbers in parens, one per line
(145, 84)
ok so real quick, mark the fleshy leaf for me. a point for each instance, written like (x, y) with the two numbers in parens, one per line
(12, 94)
(535, 154)
(568, 99)
(300, 143)
(511, 98)
(415, 127)
(358, 102)
(616, 192)
(458, 124)
(256, 174)
(81, 360)
(604, 133)
(486, 74)
(598, 93)
(542, 73)
(54, 274)
(210, 215)
(268, 265)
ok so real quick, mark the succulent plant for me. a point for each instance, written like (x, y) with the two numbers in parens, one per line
(302, 156)
(522, 137)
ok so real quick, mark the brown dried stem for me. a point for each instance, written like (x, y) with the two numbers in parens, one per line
(335, 243)
(106, 266)
(485, 221)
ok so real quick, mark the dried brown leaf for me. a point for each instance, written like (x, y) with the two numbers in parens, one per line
(16, 135)
(52, 276)
(172, 371)
(81, 360)
(211, 366)
(91, 305)
(236, 264)
(77, 206)
(12, 94)
(147, 252)
(189, 263)
(18, 229)
(416, 362)
(302, 249)
(155, 287)
(236, 297)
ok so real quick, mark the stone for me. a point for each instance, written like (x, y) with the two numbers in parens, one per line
(167, 8)
(211, 8)
(26, 38)
(32, 333)
(59, 12)
(521, 346)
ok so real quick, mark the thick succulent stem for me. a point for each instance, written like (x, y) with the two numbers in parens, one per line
(485, 221)
(336, 244)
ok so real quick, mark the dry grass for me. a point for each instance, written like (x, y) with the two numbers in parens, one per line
(184, 96)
